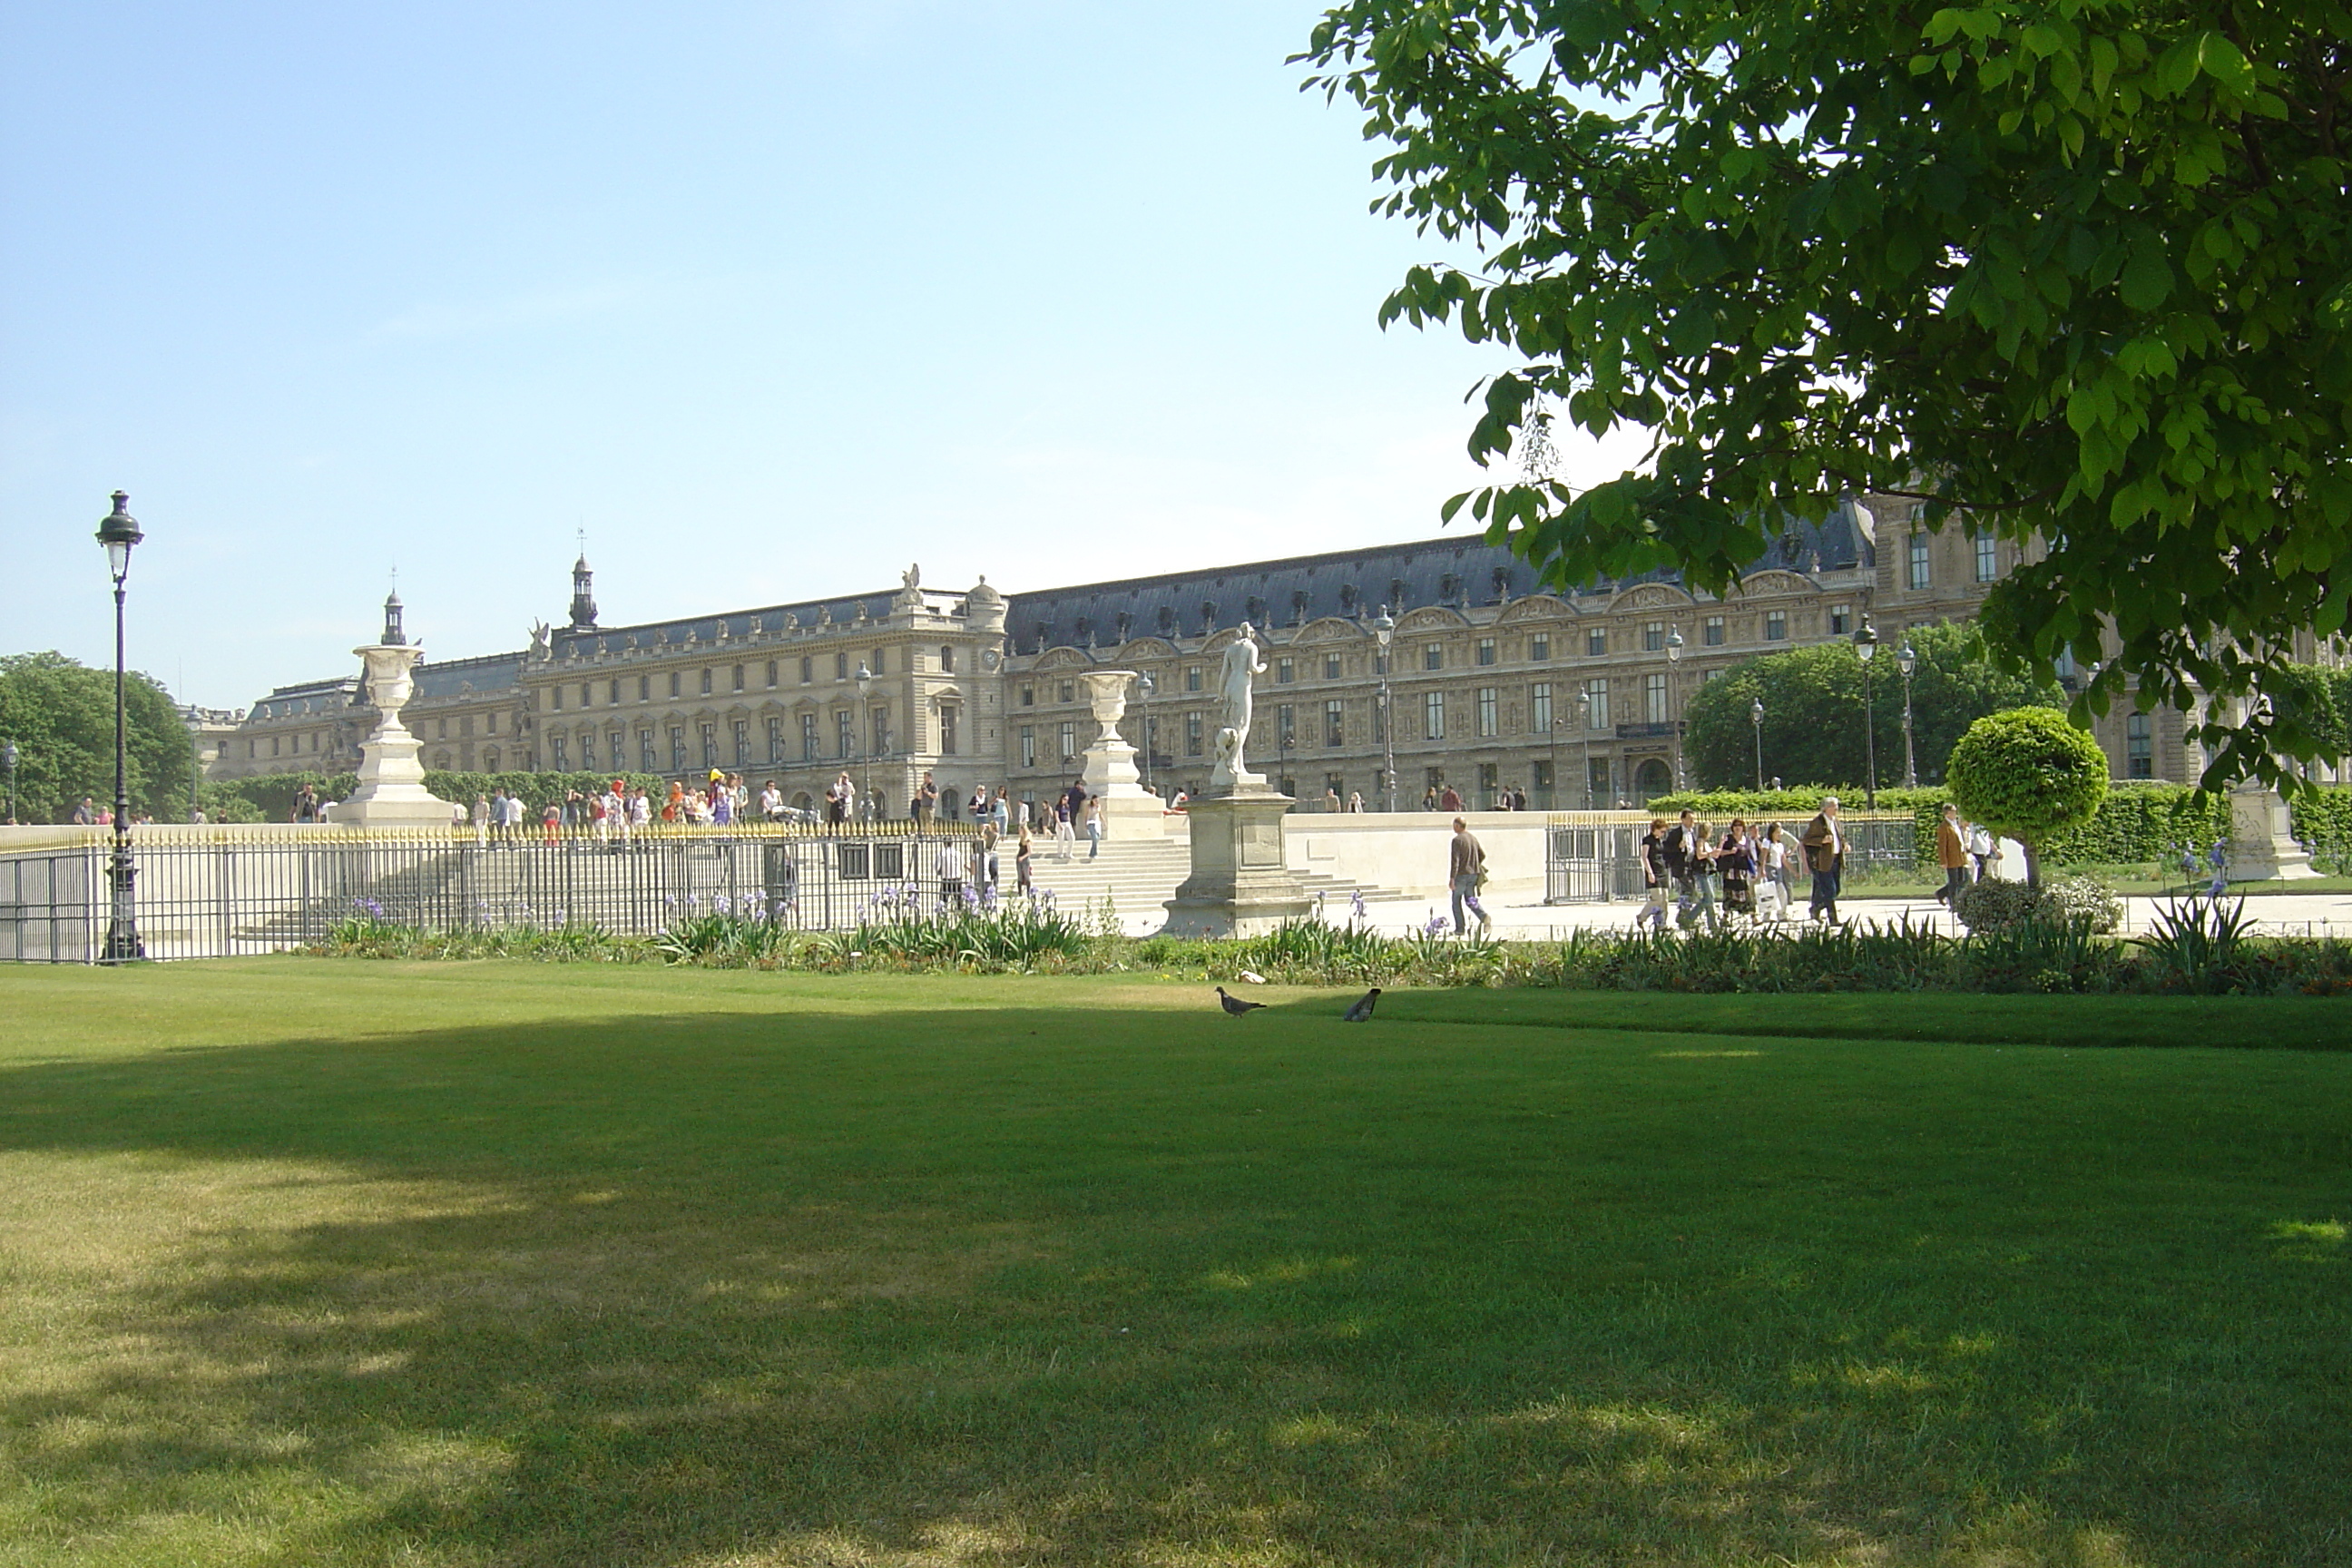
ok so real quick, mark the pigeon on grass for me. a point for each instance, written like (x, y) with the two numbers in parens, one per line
(1362, 1010)
(1234, 1005)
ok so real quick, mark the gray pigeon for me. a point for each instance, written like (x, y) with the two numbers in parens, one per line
(1234, 1005)
(1362, 1010)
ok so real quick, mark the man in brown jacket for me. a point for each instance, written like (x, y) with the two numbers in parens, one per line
(1824, 844)
(1467, 862)
(1952, 854)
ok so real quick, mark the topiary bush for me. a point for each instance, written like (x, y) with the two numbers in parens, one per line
(1993, 904)
(2026, 775)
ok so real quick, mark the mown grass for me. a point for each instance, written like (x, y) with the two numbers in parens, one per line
(313, 1262)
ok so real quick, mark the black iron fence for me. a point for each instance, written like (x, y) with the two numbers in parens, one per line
(1593, 856)
(219, 892)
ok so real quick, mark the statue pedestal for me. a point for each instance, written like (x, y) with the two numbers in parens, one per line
(1107, 767)
(1241, 883)
(2262, 839)
(391, 792)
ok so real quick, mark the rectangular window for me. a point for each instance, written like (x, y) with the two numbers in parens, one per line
(742, 741)
(1987, 558)
(556, 692)
(562, 755)
(587, 695)
(612, 690)
(1191, 678)
(1542, 790)
(1282, 669)
(808, 673)
(1918, 561)
(647, 758)
(1841, 619)
(1485, 651)
(1069, 691)
(877, 731)
(1488, 720)
(949, 712)
(840, 666)
(1335, 722)
(490, 723)
(1539, 708)
(1489, 783)
(677, 746)
(1653, 698)
(645, 687)
(808, 738)
(710, 745)
(587, 748)
(1596, 643)
(880, 665)
(772, 673)
(1068, 737)
(1191, 734)
(1654, 636)
(1286, 725)
(1433, 715)
(738, 674)
(1028, 745)
(775, 741)
(1596, 705)
(1711, 633)
(1330, 666)
(1539, 648)
(845, 733)
(1776, 625)
(673, 683)
(2139, 747)
(1028, 697)
(1433, 656)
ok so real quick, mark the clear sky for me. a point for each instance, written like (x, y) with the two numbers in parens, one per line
(771, 299)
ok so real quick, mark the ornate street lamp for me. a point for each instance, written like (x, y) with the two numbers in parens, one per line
(1865, 647)
(865, 740)
(10, 755)
(1145, 687)
(1384, 633)
(118, 532)
(1585, 735)
(1756, 717)
(1674, 663)
(1907, 660)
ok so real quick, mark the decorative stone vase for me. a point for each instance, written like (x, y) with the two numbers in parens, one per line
(391, 792)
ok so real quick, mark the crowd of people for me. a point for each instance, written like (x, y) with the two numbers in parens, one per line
(1684, 863)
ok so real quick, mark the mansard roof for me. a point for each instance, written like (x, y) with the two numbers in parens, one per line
(739, 624)
(1353, 584)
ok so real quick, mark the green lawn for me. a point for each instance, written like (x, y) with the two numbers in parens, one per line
(562, 1265)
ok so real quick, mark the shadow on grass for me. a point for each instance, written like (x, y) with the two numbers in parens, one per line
(1047, 1285)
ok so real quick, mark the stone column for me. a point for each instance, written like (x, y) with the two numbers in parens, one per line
(1107, 767)
(391, 792)
(1241, 883)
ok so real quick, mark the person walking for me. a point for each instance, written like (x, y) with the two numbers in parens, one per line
(1065, 832)
(1466, 868)
(1094, 826)
(1022, 880)
(1952, 854)
(926, 800)
(1824, 846)
(1429, 798)
(1450, 799)
(1331, 798)
(481, 815)
(1772, 885)
(1355, 802)
(1735, 858)
(1655, 877)
(1981, 848)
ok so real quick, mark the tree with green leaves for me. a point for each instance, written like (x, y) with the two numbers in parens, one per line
(2026, 775)
(1812, 728)
(60, 713)
(2076, 272)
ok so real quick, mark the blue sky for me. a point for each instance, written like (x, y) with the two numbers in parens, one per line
(769, 299)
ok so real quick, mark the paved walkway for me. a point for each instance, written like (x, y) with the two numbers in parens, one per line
(2290, 914)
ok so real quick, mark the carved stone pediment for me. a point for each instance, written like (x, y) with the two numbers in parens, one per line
(1535, 607)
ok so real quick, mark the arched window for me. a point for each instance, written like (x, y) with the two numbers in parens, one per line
(947, 659)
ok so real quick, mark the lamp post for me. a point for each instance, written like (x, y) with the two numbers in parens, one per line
(1384, 633)
(1756, 717)
(1674, 664)
(118, 532)
(1554, 804)
(1143, 685)
(1584, 736)
(10, 755)
(865, 740)
(1907, 660)
(1865, 647)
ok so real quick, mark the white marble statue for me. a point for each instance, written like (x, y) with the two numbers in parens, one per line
(1244, 664)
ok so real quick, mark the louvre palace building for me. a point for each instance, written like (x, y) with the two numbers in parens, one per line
(1494, 683)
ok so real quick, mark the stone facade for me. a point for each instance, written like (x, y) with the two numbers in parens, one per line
(1483, 673)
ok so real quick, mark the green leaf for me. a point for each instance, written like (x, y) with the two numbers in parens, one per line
(2147, 280)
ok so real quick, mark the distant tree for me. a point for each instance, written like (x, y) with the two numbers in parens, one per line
(2308, 696)
(1812, 709)
(2026, 775)
(60, 713)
